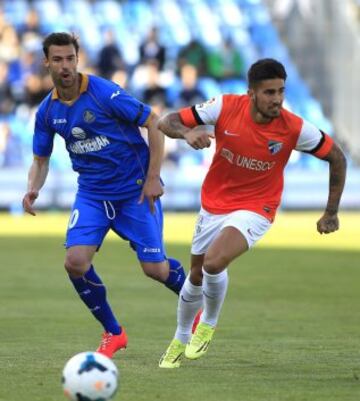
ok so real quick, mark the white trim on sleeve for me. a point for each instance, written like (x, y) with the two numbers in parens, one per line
(309, 137)
(209, 111)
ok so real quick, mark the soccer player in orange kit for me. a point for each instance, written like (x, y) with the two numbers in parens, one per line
(254, 138)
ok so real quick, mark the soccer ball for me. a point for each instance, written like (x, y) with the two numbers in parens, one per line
(90, 376)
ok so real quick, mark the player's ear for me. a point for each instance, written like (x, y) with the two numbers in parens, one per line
(46, 62)
(251, 93)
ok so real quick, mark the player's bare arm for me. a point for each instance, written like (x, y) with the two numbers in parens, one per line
(329, 222)
(37, 176)
(197, 137)
(152, 188)
(172, 126)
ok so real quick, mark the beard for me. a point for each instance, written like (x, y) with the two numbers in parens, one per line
(266, 113)
(64, 81)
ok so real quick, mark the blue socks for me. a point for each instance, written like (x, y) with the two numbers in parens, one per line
(176, 277)
(93, 292)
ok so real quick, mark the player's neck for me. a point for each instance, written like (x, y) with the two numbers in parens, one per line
(71, 93)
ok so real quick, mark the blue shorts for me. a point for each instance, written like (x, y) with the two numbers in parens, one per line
(91, 219)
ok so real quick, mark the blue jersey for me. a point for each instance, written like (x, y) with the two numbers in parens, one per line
(101, 134)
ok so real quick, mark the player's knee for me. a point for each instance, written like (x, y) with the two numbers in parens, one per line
(214, 264)
(76, 265)
(156, 271)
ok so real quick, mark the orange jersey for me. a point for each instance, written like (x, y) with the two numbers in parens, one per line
(248, 165)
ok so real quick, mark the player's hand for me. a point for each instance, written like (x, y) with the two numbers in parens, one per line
(152, 190)
(28, 202)
(199, 138)
(328, 223)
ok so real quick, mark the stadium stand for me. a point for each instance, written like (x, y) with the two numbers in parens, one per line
(183, 38)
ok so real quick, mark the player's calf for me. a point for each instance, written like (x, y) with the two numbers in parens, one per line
(176, 276)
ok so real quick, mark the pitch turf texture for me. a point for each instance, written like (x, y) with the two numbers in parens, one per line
(290, 327)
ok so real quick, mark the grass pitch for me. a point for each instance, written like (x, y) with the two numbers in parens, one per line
(289, 330)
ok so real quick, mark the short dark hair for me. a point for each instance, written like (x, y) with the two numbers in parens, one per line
(60, 39)
(266, 68)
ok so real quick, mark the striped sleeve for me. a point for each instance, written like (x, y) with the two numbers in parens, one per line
(190, 117)
(314, 141)
(323, 147)
(206, 113)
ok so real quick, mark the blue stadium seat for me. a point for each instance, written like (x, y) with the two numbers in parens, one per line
(238, 86)
(176, 30)
(108, 12)
(15, 10)
(205, 22)
(138, 17)
(230, 14)
(49, 12)
(173, 91)
(209, 87)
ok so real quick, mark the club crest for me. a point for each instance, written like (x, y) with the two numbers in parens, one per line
(274, 146)
(89, 116)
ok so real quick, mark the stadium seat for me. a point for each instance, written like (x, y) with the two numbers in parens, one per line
(50, 15)
(108, 12)
(209, 87)
(237, 86)
(15, 10)
(178, 33)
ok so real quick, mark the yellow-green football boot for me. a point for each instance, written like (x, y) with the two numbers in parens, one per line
(172, 357)
(200, 341)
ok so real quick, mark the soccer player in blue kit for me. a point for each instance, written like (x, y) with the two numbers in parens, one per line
(119, 181)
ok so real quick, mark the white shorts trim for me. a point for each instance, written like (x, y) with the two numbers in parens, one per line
(252, 226)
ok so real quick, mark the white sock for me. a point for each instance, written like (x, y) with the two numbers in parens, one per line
(214, 291)
(190, 301)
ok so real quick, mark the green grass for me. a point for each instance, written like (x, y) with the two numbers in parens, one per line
(289, 330)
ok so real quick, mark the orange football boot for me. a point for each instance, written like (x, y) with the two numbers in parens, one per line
(110, 343)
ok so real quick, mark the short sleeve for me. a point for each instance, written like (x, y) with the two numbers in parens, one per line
(126, 107)
(314, 141)
(309, 137)
(206, 113)
(43, 140)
